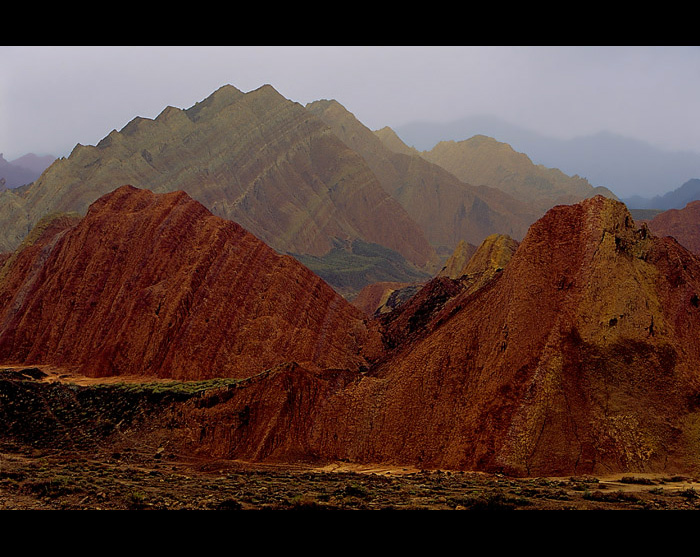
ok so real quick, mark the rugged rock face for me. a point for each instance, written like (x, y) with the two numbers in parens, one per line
(579, 357)
(477, 266)
(482, 160)
(682, 224)
(455, 264)
(154, 284)
(430, 306)
(255, 158)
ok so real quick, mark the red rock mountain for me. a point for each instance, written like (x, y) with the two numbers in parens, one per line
(580, 357)
(682, 224)
(154, 284)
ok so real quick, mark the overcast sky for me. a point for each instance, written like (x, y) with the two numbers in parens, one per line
(54, 97)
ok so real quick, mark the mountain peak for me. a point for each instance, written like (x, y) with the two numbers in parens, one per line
(579, 357)
(255, 158)
(222, 97)
(484, 160)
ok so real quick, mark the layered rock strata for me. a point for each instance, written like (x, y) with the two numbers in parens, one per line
(579, 357)
(256, 158)
(447, 208)
(154, 284)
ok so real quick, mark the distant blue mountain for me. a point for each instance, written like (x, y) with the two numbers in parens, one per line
(676, 199)
(627, 166)
(23, 170)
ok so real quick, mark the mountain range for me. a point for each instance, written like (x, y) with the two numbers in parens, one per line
(674, 199)
(626, 166)
(309, 181)
(571, 352)
(255, 158)
(23, 170)
(512, 320)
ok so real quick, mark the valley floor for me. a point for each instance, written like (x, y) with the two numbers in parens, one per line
(37, 480)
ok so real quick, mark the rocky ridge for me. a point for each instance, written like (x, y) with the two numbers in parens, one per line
(448, 209)
(255, 158)
(155, 285)
(576, 358)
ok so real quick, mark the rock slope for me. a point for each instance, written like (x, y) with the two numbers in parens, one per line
(579, 357)
(447, 208)
(154, 284)
(682, 224)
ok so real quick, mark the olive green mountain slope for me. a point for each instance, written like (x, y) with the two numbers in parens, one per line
(448, 209)
(484, 160)
(256, 158)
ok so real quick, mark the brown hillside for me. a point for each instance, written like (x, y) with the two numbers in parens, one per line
(393, 142)
(13, 216)
(440, 297)
(154, 284)
(682, 224)
(482, 160)
(256, 158)
(447, 209)
(479, 265)
(490, 258)
(579, 357)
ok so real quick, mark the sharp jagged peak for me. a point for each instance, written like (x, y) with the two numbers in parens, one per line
(223, 96)
(326, 103)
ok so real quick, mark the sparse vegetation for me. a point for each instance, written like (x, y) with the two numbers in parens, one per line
(176, 389)
(133, 480)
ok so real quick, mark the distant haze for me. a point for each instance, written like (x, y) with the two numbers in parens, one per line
(625, 165)
(52, 98)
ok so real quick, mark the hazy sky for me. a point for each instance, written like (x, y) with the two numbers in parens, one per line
(54, 97)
